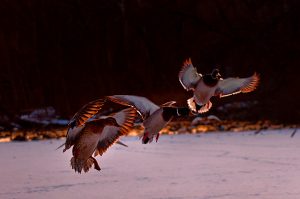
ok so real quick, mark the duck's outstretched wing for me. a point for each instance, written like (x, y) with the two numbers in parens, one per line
(231, 86)
(188, 75)
(142, 105)
(77, 122)
(86, 112)
(72, 135)
(111, 134)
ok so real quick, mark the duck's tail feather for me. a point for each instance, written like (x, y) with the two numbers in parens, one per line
(60, 146)
(79, 165)
(67, 146)
(121, 143)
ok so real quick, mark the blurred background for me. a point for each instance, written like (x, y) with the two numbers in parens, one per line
(65, 53)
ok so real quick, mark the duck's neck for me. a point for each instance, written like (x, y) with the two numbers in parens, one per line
(209, 80)
(169, 112)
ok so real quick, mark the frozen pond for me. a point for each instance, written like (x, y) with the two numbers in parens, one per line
(201, 166)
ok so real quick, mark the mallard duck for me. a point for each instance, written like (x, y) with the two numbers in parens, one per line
(154, 117)
(209, 85)
(96, 136)
(86, 113)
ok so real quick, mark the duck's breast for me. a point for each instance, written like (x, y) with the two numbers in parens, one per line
(154, 123)
(85, 145)
(203, 93)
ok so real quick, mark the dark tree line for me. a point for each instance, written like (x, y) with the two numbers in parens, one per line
(65, 53)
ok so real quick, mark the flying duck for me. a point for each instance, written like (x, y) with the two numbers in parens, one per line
(209, 85)
(96, 136)
(77, 123)
(154, 117)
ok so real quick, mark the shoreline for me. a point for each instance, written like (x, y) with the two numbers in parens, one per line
(173, 128)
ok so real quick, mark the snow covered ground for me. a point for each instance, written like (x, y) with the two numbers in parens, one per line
(202, 166)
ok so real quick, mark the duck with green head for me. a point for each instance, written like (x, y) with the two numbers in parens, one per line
(206, 86)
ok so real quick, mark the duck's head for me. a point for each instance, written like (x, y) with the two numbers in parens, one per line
(110, 121)
(216, 74)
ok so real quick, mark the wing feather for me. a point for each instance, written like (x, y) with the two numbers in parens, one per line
(142, 105)
(188, 76)
(110, 135)
(78, 121)
(72, 135)
(86, 112)
(232, 86)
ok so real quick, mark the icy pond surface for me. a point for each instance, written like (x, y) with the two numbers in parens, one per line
(200, 166)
